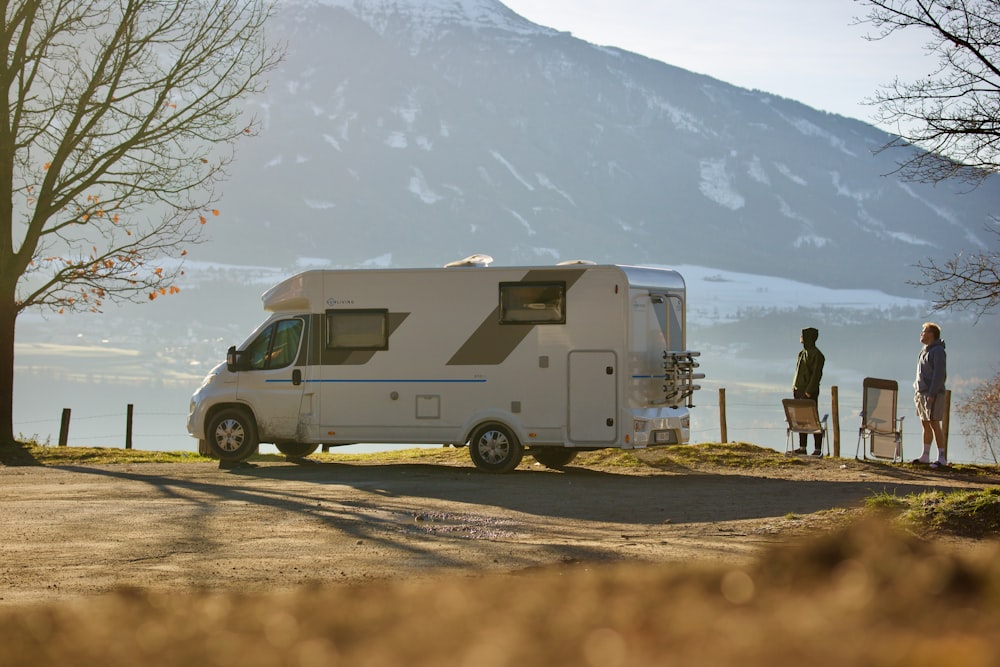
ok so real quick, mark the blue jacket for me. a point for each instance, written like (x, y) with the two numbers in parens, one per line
(931, 369)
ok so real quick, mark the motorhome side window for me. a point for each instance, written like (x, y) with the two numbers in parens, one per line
(533, 303)
(276, 346)
(675, 322)
(357, 329)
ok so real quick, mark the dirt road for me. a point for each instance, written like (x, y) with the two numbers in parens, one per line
(80, 530)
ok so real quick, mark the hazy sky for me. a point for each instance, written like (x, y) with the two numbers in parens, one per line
(806, 50)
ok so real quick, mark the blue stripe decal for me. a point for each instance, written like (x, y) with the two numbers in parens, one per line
(476, 381)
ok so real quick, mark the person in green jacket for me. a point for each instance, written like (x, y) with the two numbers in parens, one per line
(805, 384)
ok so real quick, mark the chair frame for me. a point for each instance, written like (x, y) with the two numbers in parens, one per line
(811, 425)
(870, 434)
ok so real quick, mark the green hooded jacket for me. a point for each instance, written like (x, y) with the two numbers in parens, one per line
(809, 366)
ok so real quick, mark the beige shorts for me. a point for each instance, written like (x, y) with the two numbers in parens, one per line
(929, 413)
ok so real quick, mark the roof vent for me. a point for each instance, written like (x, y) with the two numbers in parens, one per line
(476, 260)
(570, 262)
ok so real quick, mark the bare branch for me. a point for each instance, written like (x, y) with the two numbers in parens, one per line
(121, 119)
(949, 122)
(967, 281)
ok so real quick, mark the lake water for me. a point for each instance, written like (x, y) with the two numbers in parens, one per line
(99, 415)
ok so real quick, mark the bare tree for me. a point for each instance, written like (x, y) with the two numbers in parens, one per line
(967, 281)
(120, 118)
(949, 125)
(952, 115)
(981, 417)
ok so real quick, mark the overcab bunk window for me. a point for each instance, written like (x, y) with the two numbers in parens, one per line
(533, 303)
(357, 329)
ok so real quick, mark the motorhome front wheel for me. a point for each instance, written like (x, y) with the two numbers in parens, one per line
(494, 448)
(232, 435)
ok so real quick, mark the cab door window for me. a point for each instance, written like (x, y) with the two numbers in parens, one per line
(276, 346)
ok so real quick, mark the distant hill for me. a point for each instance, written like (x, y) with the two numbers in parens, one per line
(414, 132)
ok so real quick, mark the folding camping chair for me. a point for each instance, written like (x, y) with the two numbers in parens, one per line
(802, 416)
(881, 429)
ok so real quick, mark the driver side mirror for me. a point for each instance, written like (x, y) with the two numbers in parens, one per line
(233, 359)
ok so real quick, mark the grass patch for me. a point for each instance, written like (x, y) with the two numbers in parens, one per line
(32, 453)
(727, 455)
(886, 502)
(964, 512)
(730, 455)
(609, 458)
(430, 455)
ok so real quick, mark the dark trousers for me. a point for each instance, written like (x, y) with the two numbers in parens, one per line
(803, 437)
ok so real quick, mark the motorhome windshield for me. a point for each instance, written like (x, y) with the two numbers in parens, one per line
(276, 346)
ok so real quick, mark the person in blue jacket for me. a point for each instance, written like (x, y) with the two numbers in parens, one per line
(805, 384)
(928, 393)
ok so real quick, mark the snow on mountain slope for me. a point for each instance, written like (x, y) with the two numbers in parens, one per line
(424, 19)
(719, 297)
(426, 130)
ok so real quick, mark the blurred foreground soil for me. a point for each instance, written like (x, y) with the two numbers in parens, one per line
(390, 565)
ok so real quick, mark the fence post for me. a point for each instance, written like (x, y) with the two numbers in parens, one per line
(64, 427)
(128, 426)
(947, 418)
(723, 432)
(835, 415)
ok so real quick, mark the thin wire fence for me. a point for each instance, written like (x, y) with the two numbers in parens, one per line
(111, 429)
(759, 420)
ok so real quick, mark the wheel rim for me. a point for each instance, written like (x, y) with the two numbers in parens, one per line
(493, 446)
(229, 435)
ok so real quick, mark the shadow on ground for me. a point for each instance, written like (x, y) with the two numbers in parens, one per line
(865, 595)
(17, 454)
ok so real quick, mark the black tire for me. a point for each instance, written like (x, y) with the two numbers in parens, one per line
(553, 457)
(494, 448)
(232, 435)
(296, 450)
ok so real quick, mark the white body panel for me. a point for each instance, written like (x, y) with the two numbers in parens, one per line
(448, 363)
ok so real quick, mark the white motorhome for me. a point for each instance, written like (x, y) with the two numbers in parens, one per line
(551, 360)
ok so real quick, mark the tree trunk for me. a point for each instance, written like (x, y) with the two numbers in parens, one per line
(8, 318)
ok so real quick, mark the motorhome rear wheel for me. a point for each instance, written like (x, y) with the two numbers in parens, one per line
(553, 457)
(296, 450)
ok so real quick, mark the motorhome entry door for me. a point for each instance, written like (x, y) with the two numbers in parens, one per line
(593, 397)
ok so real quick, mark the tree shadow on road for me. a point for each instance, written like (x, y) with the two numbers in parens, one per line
(576, 494)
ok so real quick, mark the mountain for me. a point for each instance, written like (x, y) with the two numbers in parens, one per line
(415, 132)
